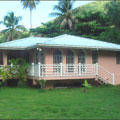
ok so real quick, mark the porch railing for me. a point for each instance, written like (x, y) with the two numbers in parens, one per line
(50, 70)
(105, 75)
(69, 70)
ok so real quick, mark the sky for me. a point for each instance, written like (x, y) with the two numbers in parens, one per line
(40, 15)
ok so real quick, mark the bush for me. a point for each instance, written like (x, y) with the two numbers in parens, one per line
(17, 70)
(86, 86)
(42, 83)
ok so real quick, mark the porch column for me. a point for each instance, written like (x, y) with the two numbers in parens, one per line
(38, 57)
(49, 56)
(5, 61)
(64, 56)
(76, 56)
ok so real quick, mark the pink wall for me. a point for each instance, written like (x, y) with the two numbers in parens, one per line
(106, 59)
(49, 56)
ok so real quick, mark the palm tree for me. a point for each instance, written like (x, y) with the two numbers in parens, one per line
(31, 4)
(64, 8)
(11, 23)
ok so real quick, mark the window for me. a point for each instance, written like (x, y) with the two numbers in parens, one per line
(118, 57)
(70, 57)
(41, 60)
(57, 59)
(70, 61)
(81, 57)
(94, 57)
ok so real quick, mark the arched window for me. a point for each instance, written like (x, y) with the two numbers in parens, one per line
(70, 61)
(81, 57)
(57, 57)
(69, 57)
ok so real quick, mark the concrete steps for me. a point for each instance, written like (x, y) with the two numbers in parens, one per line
(101, 80)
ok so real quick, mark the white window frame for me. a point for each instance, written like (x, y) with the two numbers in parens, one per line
(70, 66)
(56, 65)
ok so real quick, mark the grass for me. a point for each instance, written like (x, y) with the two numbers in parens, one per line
(29, 103)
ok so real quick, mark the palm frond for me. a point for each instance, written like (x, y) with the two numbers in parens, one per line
(55, 14)
(58, 8)
(5, 30)
(20, 28)
(31, 4)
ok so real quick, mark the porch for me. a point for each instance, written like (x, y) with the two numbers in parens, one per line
(63, 64)
(70, 72)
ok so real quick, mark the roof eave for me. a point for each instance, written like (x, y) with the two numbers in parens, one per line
(76, 47)
(58, 46)
(18, 48)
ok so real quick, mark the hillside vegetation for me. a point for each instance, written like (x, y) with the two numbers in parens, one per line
(92, 23)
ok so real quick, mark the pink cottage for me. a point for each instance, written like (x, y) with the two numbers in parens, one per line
(65, 58)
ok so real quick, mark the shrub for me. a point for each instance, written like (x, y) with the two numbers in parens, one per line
(86, 85)
(42, 83)
(17, 70)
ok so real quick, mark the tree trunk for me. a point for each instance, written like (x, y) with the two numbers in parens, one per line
(30, 19)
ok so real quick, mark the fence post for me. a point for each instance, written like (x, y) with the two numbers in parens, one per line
(96, 68)
(32, 69)
(79, 68)
(61, 69)
(39, 71)
(113, 79)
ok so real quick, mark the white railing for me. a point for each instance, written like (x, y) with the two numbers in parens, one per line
(105, 75)
(50, 70)
(69, 70)
(1, 66)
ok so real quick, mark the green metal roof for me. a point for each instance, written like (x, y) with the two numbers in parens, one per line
(60, 41)
(24, 43)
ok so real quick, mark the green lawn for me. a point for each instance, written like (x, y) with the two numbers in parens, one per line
(98, 102)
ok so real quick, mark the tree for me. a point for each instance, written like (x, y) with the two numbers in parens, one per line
(113, 12)
(11, 23)
(64, 8)
(111, 35)
(47, 30)
(31, 4)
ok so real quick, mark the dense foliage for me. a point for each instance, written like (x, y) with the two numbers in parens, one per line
(66, 18)
(94, 22)
(97, 20)
(17, 70)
